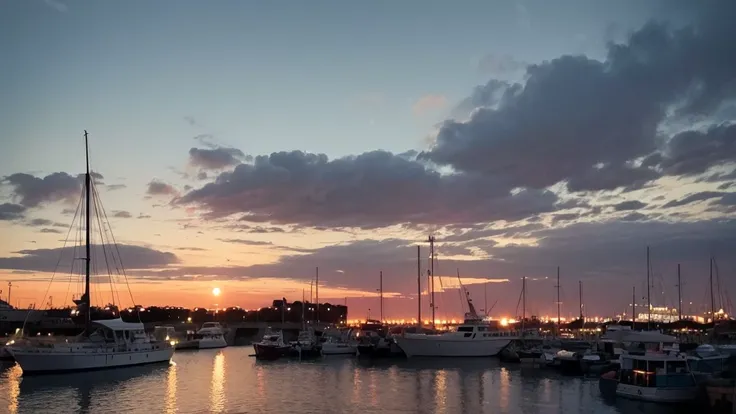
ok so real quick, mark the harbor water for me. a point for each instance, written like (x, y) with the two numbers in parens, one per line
(230, 381)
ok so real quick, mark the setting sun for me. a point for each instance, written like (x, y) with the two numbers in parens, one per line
(216, 291)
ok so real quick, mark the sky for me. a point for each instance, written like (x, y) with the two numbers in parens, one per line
(242, 145)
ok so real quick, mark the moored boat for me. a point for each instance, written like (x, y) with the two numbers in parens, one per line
(105, 343)
(271, 347)
(210, 336)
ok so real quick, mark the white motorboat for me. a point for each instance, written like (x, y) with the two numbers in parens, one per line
(652, 370)
(104, 343)
(474, 338)
(471, 339)
(111, 343)
(211, 335)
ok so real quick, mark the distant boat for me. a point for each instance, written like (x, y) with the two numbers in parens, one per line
(211, 335)
(106, 343)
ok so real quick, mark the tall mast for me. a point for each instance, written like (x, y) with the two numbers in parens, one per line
(558, 300)
(485, 298)
(633, 308)
(316, 291)
(380, 288)
(679, 293)
(419, 286)
(431, 276)
(304, 326)
(523, 303)
(87, 193)
(649, 299)
(712, 297)
(580, 285)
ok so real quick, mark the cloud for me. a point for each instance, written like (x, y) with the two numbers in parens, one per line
(247, 242)
(192, 249)
(692, 198)
(587, 122)
(121, 214)
(694, 152)
(629, 205)
(57, 5)
(374, 189)
(215, 158)
(39, 222)
(46, 260)
(428, 103)
(9, 211)
(113, 187)
(500, 64)
(160, 188)
(54, 231)
(31, 191)
(143, 216)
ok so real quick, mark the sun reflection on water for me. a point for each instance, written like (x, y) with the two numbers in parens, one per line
(171, 389)
(217, 385)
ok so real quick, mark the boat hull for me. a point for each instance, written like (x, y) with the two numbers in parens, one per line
(436, 346)
(5, 355)
(270, 352)
(34, 362)
(212, 343)
(661, 395)
(338, 349)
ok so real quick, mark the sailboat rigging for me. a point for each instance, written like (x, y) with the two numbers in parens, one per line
(106, 343)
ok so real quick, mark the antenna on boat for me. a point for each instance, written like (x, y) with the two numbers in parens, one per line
(87, 193)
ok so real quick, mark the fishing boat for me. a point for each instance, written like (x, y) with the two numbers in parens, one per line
(103, 344)
(211, 335)
(272, 346)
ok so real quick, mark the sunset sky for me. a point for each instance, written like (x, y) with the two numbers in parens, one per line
(241, 144)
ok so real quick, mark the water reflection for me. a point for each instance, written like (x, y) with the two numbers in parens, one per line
(217, 384)
(171, 390)
(13, 391)
(328, 385)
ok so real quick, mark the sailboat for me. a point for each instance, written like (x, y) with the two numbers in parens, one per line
(108, 343)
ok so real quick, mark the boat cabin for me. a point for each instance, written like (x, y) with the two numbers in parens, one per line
(655, 370)
(115, 331)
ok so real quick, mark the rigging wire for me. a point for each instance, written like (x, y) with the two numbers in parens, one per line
(48, 287)
(103, 229)
(117, 249)
(74, 250)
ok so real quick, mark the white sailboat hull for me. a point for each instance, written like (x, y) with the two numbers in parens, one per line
(441, 346)
(210, 343)
(67, 359)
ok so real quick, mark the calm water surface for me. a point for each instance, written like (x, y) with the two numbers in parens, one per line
(229, 381)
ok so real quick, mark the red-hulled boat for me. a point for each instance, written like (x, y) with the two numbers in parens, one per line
(271, 347)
